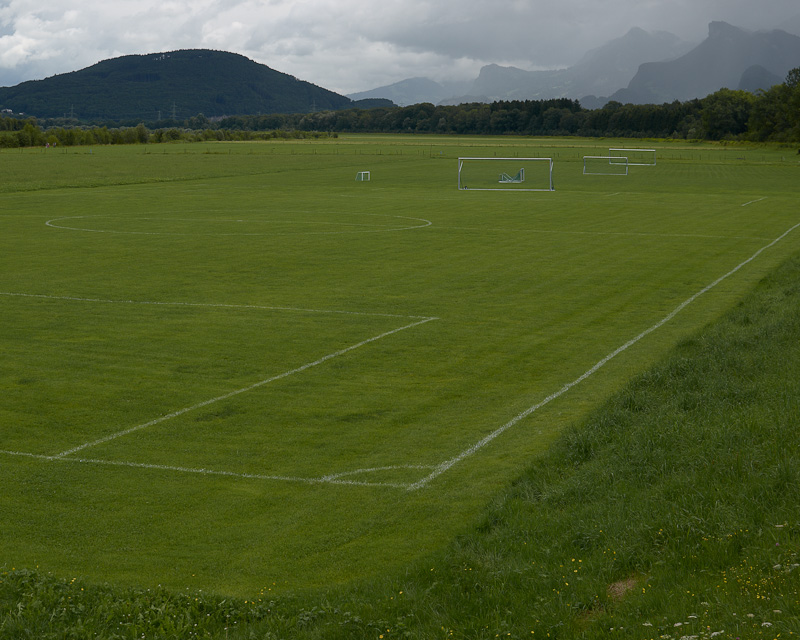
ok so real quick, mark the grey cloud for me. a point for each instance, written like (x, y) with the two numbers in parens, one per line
(352, 45)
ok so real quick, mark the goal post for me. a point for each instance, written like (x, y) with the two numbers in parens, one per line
(505, 174)
(635, 157)
(363, 176)
(605, 166)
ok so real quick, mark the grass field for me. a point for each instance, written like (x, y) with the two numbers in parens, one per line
(233, 367)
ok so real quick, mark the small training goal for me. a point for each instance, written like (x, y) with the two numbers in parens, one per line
(363, 176)
(605, 166)
(505, 174)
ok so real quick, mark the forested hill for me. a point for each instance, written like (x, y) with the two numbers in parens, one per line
(173, 85)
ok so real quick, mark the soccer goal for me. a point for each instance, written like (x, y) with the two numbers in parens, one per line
(635, 157)
(363, 176)
(605, 166)
(505, 174)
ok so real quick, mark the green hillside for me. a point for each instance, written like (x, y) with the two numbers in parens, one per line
(178, 84)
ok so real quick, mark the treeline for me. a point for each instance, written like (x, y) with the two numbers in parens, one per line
(15, 133)
(772, 115)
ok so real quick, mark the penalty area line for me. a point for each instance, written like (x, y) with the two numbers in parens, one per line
(334, 479)
(237, 392)
(209, 305)
(754, 201)
(466, 453)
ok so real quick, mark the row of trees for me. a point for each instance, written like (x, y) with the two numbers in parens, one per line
(772, 115)
(26, 133)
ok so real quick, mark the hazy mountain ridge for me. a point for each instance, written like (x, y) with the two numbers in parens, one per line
(640, 67)
(728, 58)
(757, 77)
(600, 72)
(414, 91)
(173, 84)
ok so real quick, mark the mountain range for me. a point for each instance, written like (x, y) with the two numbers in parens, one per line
(730, 57)
(601, 71)
(640, 67)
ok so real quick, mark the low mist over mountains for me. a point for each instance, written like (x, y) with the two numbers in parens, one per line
(600, 72)
(640, 67)
(729, 57)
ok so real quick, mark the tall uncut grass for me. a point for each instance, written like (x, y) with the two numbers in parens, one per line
(670, 512)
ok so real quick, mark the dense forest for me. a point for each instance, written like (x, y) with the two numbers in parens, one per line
(772, 115)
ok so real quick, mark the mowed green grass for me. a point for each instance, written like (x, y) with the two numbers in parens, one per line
(231, 367)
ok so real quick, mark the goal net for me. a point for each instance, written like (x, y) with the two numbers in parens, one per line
(505, 174)
(362, 176)
(605, 166)
(635, 157)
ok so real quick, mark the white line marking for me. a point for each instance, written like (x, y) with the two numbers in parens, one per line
(335, 479)
(425, 223)
(641, 234)
(237, 392)
(447, 464)
(358, 472)
(209, 305)
(438, 469)
(754, 201)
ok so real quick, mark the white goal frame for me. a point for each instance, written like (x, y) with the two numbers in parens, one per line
(615, 161)
(615, 153)
(363, 176)
(504, 178)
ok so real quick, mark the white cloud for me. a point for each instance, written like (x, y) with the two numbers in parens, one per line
(351, 45)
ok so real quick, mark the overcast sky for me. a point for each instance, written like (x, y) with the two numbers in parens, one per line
(353, 45)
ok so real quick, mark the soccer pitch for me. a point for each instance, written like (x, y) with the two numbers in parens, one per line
(232, 366)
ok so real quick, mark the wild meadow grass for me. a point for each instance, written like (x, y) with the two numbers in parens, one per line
(151, 296)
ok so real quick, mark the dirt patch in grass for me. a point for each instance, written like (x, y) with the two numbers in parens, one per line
(617, 590)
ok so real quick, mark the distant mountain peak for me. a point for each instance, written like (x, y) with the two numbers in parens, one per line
(719, 29)
(640, 66)
(413, 91)
(729, 58)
